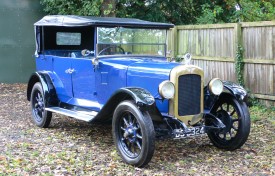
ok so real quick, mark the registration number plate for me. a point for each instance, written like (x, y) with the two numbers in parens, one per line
(194, 131)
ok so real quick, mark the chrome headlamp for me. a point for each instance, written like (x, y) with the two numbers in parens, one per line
(167, 89)
(216, 86)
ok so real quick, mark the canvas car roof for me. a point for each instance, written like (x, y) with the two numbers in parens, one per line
(72, 20)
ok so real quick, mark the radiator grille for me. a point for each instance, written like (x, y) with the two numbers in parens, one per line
(189, 94)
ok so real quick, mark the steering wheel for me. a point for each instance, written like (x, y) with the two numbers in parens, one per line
(113, 46)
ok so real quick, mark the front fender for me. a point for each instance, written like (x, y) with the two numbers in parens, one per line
(229, 88)
(143, 99)
(47, 85)
(236, 90)
(141, 96)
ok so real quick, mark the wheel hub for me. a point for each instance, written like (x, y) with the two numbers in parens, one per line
(226, 119)
(40, 106)
(130, 133)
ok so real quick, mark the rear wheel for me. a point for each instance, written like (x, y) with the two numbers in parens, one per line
(41, 117)
(235, 116)
(133, 134)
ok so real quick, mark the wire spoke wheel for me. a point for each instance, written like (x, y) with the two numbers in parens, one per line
(130, 134)
(41, 117)
(133, 134)
(235, 116)
(227, 113)
(38, 106)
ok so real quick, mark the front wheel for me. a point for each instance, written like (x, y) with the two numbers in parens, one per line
(235, 116)
(41, 117)
(133, 134)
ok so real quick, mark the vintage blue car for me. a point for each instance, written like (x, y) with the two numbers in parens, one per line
(116, 70)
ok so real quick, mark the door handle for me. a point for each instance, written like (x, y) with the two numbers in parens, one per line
(69, 71)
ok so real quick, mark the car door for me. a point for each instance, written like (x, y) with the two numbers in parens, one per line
(83, 80)
(63, 77)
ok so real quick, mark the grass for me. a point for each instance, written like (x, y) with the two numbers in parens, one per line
(259, 113)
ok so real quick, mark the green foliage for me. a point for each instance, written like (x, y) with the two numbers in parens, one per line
(231, 11)
(178, 59)
(173, 11)
(210, 16)
(255, 10)
(73, 7)
(260, 112)
(252, 100)
(239, 65)
(217, 11)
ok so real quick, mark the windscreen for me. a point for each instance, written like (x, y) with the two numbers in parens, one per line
(119, 40)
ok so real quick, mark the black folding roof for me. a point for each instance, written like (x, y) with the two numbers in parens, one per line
(71, 20)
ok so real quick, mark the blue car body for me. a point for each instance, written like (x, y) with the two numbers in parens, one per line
(89, 87)
(92, 89)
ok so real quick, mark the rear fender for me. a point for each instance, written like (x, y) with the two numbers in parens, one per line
(47, 85)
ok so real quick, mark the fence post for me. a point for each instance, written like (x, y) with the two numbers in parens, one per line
(174, 42)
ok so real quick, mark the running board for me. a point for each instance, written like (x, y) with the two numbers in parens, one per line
(80, 115)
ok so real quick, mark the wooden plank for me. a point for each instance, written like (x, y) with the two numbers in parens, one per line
(269, 40)
(217, 43)
(264, 97)
(273, 74)
(169, 43)
(260, 61)
(259, 42)
(250, 76)
(223, 70)
(174, 42)
(206, 26)
(258, 24)
(212, 43)
(273, 42)
(197, 43)
(258, 77)
(207, 58)
(208, 43)
(271, 81)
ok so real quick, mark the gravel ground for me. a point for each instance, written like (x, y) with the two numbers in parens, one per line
(71, 147)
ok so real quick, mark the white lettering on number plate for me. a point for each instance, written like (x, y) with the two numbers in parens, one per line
(194, 131)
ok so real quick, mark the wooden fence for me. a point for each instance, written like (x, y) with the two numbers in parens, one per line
(214, 48)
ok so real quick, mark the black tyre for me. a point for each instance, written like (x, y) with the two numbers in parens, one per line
(235, 116)
(40, 117)
(133, 134)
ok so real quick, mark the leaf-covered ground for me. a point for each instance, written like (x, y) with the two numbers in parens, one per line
(71, 147)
